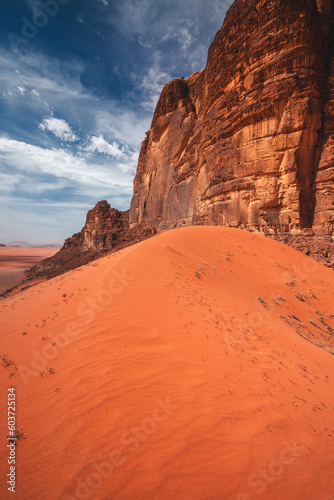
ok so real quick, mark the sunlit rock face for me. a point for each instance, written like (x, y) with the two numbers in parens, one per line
(104, 228)
(249, 141)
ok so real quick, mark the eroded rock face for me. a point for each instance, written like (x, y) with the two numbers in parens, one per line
(324, 182)
(248, 142)
(104, 228)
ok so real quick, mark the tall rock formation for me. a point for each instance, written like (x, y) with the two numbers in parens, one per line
(248, 142)
(104, 227)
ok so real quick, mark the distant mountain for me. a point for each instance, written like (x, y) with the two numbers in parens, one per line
(31, 245)
(19, 244)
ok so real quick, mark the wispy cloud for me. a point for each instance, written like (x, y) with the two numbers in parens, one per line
(58, 163)
(80, 19)
(184, 32)
(60, 128)
(154, 24)
(54, 88)
(174, 46)
(100, 145)
(21, 90)
(60, 182)
(151, 82)
(144, 43)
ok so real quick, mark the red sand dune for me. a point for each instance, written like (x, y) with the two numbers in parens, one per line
(14, 260)
(190, 366)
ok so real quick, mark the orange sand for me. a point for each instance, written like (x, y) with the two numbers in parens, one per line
(14, 260)
(172, 380)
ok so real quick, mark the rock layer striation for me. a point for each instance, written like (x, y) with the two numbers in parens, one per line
(248, 142)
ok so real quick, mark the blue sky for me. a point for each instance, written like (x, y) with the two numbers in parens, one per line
(78, 86)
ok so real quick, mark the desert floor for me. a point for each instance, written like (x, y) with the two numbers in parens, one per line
(195, 365)
(14, 260)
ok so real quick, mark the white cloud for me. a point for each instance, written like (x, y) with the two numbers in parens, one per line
(152, 82)
(182, 32)
(60, 128)
(100, 145)
(190, 23)
(58, 79)
(21, 90)
(126, 126)
(61, 93)
(143, 42)
(185, 38)
(78, 170)
(9, 182)
(30, 177)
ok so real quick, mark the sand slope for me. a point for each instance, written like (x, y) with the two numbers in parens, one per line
(190, 366)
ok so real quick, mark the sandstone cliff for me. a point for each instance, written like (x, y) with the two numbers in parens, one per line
(249, 141)
(104, 227)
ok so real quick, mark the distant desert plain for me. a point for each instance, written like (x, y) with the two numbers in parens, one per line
(196, 365)
(15, 260)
